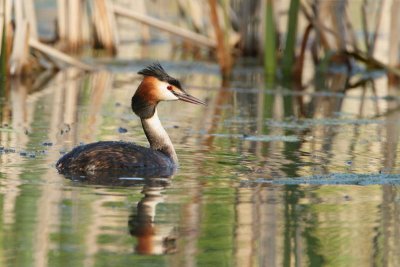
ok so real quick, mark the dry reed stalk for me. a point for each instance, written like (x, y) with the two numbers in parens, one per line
(352, 35)
(2, 21)
(104, 25)
(259, 43)
(335, 10)
(195, 38)
(299, 63)
(58, 55)
(74, 25)
(30, 15)
(20, 50)
(226, 15)
(320, 29)
(245, 26)
(364, 24)
(86, 25)
(141, 8)
(3, 48)
(191, 16)
(113, 21)
(377, 26)
(8, 28)
(394, 40)
(371, 36)
(223, 49)
(193, 13)
(62, 19)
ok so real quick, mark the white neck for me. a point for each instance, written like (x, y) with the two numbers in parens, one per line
(158, 137)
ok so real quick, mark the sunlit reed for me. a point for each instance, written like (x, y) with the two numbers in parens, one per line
(105, 26)
(223, 50)
(230, 28)
(20, 53)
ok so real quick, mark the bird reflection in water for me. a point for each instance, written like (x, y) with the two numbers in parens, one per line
(151, 238)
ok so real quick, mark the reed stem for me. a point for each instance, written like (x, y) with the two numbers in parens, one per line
(289, 54)
(62, 19)
(3, 54)
(270, 44)
(104, 24)
(223, 51)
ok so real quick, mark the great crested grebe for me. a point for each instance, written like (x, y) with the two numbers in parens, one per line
(109, 156)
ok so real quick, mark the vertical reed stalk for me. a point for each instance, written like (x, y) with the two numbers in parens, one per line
(394, 40)
(299, 64)
(86, 33)
(377, 25)
(3, 49)
(370, 36)
(20, 52)
(226, 24)
(3, 56)
(2, 21)
(337, 11)
(30, 15)
(141, 7)
(75, 25)
(223, 49)
(9, 31)
(104, 25)
(270, 44)
(62, 19)
(289, 54)
(365, 24)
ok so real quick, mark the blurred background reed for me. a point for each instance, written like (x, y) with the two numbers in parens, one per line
(278, 34)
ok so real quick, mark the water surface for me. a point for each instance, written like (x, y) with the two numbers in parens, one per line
(267, 177)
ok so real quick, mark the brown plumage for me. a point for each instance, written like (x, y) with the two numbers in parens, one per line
(108, 155)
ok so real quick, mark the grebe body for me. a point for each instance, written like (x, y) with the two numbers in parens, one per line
(118, 156)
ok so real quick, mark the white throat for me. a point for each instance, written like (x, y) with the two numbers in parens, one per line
(158, 137)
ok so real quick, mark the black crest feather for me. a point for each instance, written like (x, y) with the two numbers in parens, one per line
(157, 71)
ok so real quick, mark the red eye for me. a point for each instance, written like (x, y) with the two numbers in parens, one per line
(169, 87)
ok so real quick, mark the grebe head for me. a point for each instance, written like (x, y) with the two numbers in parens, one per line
(158, 86)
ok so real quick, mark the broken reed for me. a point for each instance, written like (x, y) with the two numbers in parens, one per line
(73, 25)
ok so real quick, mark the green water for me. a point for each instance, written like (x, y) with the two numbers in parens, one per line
(256, 186)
